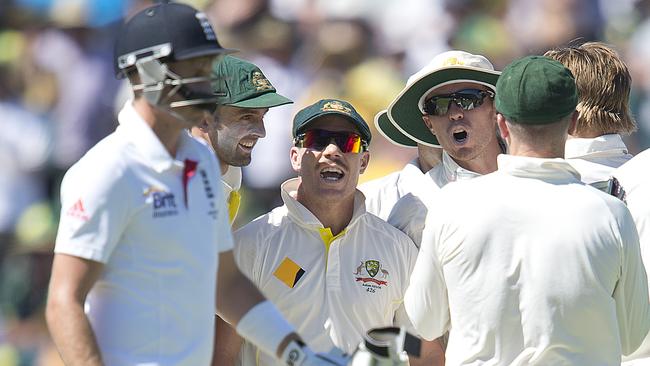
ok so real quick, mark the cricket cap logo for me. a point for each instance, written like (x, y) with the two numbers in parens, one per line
(260, 82)
(336, 106)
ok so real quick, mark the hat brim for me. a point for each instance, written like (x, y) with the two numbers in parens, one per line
(405, 113)
(392, 134)
(266, 100)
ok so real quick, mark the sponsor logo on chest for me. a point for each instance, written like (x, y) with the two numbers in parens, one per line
(372, 275)
(163, 203)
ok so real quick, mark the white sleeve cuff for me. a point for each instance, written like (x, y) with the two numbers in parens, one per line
(265, 327)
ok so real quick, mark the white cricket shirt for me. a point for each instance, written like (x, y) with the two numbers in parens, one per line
(158, 224)
(332, 289)
(528, 265)
(410, 211)
(634, 176)
(596, 158)
(382, 193)
(231, 182)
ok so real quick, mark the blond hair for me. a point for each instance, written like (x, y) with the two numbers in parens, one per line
(604, 83)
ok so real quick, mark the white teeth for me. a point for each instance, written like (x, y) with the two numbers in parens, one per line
(332, 170)
(247, 144)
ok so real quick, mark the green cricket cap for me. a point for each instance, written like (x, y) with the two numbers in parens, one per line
(387, 129)
(239, 83)
(536, 90)
(326, 107)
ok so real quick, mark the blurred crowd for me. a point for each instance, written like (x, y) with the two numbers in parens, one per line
(59, 95)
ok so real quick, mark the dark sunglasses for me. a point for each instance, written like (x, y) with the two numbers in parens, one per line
(467, 99)
(317, 139)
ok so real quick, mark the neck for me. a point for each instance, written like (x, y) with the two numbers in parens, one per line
(334, 214)
(163, 126)
(484, 163)
(223, 166)
(428, 157)
(550, 150)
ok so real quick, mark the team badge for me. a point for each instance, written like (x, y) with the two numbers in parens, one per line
(372, 275)
(335, 106)
(260, 82)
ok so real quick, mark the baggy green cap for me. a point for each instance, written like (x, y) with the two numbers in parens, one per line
(330, 106)
(536, 90)
(239, 83)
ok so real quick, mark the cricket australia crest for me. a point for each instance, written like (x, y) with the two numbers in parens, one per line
(260, 81)
(336, 106)
(372, 275)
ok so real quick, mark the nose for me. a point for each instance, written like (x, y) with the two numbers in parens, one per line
(332, 150)
(455, 112)
(258, 129)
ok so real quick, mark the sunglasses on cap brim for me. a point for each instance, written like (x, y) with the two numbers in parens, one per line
(317, 139)
(466, 99)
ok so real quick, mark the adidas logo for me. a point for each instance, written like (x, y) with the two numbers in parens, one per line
(77, 211)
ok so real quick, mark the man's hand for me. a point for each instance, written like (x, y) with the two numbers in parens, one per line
(298, 354)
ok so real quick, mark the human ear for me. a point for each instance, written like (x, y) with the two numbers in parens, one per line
(296, 158)
(365, 159)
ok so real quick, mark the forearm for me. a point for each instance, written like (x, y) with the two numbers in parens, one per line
(72, 334)
(226, 343)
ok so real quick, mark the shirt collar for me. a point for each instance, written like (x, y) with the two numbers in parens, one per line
(449, 171)
(134, 127)
(231, 179)
(549, 170)
(303, 216)
(580, 147)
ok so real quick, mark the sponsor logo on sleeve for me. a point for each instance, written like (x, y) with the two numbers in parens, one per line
(289, 272)
(78, 211)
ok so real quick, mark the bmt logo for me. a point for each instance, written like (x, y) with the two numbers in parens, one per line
(163, 200)
(164, 204)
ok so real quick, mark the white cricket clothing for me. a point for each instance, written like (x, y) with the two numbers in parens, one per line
(382, 193)
(410, 211)
(530, 266)
(231, 182)
(596, 158)
(634, 176)
(331, 296)
(127, 205)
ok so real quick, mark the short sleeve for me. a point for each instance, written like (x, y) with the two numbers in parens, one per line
(425, 300)
(246, 251)
(408, 215)
(94, 211)
(631, 293)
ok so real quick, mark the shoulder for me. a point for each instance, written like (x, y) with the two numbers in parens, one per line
(257, 231)
(104, 165)
(377, 230)
(373, 187)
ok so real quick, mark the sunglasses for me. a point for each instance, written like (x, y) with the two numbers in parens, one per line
(317, 139)
(466, 99)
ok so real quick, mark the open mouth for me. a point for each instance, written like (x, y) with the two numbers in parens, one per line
(248, 145)
(332, 174)
(460, 136)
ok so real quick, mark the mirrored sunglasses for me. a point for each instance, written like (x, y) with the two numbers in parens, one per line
(466, 99)
(317, 139)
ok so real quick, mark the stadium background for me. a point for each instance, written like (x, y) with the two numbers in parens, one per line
(58, 96)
